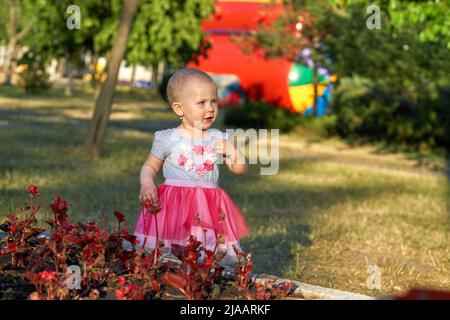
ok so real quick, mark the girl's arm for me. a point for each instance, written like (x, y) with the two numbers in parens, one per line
(147, 176)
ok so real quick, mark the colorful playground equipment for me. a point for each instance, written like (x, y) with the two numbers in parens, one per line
(251, 76)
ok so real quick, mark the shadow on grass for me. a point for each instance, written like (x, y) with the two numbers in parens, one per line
(280, 212)
(37, 119)
(145, 126)
(14, 113)
(53, 93)
(422, 158)
(82, 90)
(425, 159)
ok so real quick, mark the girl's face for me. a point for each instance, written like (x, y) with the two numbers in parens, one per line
(198, 102)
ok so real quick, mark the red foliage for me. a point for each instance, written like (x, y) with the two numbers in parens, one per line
(243, 270)
(103, 261)
(59, 208)
(33, 190)
(198, 273)
(120, 217)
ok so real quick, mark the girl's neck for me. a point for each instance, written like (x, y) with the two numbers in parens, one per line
(190, 130)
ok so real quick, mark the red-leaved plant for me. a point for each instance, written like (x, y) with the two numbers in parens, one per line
(111, 263)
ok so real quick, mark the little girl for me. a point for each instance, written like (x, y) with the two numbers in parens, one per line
(190, 199)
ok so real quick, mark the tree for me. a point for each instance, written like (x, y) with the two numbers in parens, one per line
(104, 100)
(168, 32)
(16, 30)
(162, 31)
(105, 22)
(393, 56)
(431, 16)
(393, 81)
(52, 37)
(406, 53)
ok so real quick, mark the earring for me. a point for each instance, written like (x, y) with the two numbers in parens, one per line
(181, 117)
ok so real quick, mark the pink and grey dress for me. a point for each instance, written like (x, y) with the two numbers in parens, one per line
(192, 203)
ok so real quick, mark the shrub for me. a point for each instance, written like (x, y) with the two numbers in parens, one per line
(33, 76)
(324, 126)
(434, 115)
(367, 110)
(260, 115)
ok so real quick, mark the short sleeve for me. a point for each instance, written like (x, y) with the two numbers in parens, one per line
(220, 135)
(159, 146)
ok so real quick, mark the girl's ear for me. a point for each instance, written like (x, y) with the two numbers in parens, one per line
(177, 108)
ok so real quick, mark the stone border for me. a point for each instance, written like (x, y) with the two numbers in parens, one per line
(302, 291)
(310, 292)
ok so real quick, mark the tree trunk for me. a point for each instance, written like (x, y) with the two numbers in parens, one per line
(60, 69)
(68, 91)
(155, 75)
(14, 38)
(162, 67)
(315, 84)
(133, 76)
(103, 104)
(12, 43)
(107, 63)
(94, 64)
(10, 60)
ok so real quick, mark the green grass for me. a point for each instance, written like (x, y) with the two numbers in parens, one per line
(331, 211)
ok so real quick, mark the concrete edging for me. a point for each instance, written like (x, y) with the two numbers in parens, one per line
(311, 292)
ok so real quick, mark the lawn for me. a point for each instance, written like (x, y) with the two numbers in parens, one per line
(330, 212)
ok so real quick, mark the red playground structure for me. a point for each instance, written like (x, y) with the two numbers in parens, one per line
(251, 76)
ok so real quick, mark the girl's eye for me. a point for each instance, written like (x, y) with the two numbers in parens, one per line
(213, 102)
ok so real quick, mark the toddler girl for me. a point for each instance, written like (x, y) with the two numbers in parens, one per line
(190, 199)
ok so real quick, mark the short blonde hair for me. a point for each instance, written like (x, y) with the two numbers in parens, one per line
(181, 78)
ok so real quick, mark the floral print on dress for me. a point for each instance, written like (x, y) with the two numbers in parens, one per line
(208, 158)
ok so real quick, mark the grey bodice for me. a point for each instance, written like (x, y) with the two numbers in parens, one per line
(188, 158)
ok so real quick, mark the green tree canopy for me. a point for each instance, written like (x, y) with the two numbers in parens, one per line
(168, 31)
(430, 17)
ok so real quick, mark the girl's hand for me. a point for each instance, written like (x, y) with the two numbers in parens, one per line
(234, 159)
(149, 192)
(224, 148)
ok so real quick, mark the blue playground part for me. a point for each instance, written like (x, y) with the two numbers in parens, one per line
(143, 84)
(322, 103)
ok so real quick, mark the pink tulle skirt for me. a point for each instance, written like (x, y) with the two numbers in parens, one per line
(199, 208)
